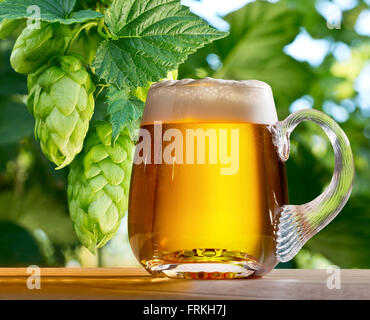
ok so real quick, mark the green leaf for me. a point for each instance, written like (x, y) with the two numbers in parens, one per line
(15, 122)
(142, 92)
(125, 107)
(125, 111)
(68, 5)
(36, 210)
(8, 152)
(82, 16)
(152, 38)
(311, 19)
(50, 11)
(18, 248)
(346, 240)
(254, 50)
(15, 83)
(7, 27)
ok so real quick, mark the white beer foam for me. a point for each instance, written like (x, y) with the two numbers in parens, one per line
(210, 100)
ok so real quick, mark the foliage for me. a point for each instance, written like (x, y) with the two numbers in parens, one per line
(254, 50)
(17, 246)
(150, 37)
(126, 45)
(140, 42)
(14, 115)
(28, 228)
(32, 214)
(50, 11)
(125, 109)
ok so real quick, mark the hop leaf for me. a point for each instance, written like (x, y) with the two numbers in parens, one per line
(7, 27)
(50, 11)
(35, 47)
(99, 185)
(62, 102)
(126, 108)
(125, 111)
(150, 38)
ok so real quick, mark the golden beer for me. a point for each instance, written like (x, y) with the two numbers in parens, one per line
(208, 197)
(191, 213)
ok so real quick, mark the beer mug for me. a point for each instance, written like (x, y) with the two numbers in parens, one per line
(208, 196)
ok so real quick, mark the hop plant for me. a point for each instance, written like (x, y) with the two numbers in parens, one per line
(86, 45)
(125, 58)
(7, 27)
(62, 102)
(98, 185)
(35, 47)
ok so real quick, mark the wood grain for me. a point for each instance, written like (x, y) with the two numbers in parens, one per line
(135, 283)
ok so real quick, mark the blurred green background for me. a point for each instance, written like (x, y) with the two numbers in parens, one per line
(314, 54)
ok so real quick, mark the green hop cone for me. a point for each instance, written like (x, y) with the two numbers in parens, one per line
(35, 47)
(62, 102)
(98, 185)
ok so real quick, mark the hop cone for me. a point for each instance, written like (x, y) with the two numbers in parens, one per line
(99, 185)
(35, 47)
(61, 100)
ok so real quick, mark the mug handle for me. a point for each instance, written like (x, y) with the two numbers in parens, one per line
(296, 224)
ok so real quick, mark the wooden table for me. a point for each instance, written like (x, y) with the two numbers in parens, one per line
(133, 283)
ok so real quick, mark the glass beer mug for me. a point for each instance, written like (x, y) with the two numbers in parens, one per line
(208, 196)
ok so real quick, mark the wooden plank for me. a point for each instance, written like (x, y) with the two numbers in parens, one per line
(76, 272)
(136, 283)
